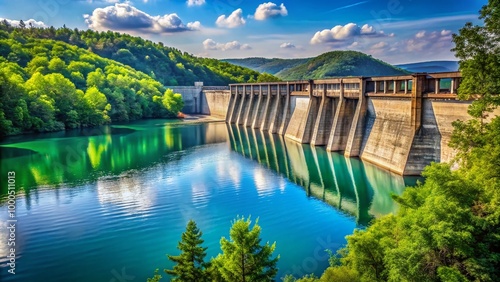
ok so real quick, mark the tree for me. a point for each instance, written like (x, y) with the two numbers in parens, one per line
(243, 257)
(478, 48)
(190, 264)
(172, 101)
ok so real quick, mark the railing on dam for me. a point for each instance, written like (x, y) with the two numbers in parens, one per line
(351, 87)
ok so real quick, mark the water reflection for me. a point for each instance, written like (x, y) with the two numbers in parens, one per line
(359, 189)
(75, 159)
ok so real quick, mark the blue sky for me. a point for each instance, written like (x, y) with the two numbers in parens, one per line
(396, 31)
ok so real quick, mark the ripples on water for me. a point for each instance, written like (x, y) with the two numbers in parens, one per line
(115, 200)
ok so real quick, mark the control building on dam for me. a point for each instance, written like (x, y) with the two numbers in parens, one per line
(400, 123)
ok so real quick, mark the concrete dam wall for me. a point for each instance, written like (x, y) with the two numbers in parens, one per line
(400, 123)
(215, 102)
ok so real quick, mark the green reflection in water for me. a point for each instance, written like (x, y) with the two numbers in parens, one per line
(352, 186)
(80, 156)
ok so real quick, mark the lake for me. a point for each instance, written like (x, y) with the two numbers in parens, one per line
(108, 204)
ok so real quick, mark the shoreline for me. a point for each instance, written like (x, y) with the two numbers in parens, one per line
(188, 119)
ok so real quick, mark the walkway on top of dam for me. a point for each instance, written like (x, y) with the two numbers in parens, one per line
(434, 84)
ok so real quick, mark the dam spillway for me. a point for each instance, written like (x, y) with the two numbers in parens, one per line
(400, 123)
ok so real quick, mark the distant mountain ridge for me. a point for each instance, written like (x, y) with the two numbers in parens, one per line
(330, 64)
(271, 66)
(431, 66)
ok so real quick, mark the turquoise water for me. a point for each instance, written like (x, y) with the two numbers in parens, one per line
(108, 204)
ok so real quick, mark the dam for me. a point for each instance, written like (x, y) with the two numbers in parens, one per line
(399, 123)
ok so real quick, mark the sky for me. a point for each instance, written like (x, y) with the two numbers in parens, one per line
(396, 31)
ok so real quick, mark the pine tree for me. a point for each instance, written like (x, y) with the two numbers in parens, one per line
(244, 258)
(190, 264)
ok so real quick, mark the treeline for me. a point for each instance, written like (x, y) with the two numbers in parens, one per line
(167, 65)
(48, 85)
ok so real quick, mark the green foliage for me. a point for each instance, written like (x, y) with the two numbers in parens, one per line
(366, 250)
(243, 257)
(340, 63)
(56, 86)
(478, 49)
(156, 278)
(265, 77)
(172, 101)
(190, 264)
(446, 230)
(340, 274)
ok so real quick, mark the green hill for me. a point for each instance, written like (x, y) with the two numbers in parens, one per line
(272, 66)
(331, 64)
(167, 65)
(340, 63)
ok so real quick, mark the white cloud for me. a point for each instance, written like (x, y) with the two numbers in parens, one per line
(436, 40)
(367, 29)
(420, 34)
(195, 2)
(445, 32)
(194, 25)
(287, 45)
(232, 21)
(380, 45)
(26, 22)
(353, 45)
(344, 33)
(210, 44)
(270, 10)
(125, 17)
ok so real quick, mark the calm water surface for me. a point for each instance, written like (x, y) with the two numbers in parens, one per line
(108, 204)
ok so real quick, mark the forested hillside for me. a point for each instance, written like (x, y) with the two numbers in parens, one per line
(48, 85)
(167, 65)
(340, 63)
(55, 79)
